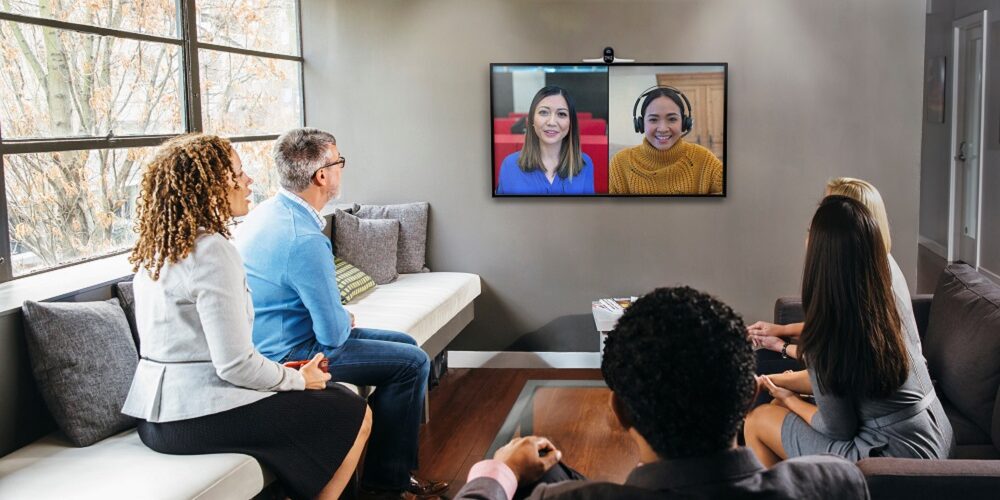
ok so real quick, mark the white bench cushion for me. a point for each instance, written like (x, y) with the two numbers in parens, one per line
(418, 304)
(122, 467)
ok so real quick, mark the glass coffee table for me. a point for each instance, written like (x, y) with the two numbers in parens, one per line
(576, 416)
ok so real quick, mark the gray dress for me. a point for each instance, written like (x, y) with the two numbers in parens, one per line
(908, 424)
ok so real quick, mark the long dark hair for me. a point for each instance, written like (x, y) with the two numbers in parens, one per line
(570, 159)
(852, 338)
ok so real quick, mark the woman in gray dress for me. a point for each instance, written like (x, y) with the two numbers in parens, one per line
(873, 394)
(784, 338)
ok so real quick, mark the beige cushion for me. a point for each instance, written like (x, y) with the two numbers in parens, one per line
(418, 304)
(122, 467)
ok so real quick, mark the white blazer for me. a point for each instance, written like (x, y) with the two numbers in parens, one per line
(195, 326)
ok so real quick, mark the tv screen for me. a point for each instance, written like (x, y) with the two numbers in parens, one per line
(609, 130)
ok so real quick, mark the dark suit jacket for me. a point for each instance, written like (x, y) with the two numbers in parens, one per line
(734, 473)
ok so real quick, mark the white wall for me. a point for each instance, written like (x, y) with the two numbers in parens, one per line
(817, 89)
(526, 85)
(628, 83)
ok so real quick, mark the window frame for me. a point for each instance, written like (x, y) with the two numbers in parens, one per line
(187, 41)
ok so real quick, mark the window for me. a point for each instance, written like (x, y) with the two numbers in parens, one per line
(89, 89)
(256, 158)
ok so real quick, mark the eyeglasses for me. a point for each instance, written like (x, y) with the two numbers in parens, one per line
(342, 162)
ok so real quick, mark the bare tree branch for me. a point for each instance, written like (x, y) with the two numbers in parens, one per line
(25, 48)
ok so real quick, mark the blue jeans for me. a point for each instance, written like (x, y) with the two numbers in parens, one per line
(392, 362)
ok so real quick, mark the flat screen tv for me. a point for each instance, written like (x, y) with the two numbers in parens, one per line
(608, 130)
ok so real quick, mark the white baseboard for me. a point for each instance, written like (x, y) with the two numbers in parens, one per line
(939, 249)
(516, 359)
(990, 274)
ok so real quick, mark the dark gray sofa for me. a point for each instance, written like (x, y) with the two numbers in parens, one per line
(960, 329)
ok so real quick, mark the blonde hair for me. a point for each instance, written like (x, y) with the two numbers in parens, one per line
(866, 193)
(184, 190)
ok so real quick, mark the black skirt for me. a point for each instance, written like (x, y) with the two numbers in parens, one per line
(301, 436)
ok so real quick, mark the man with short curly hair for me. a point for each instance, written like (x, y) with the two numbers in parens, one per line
(681, 372)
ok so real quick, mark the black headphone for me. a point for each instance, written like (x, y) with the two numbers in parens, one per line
(686, 121)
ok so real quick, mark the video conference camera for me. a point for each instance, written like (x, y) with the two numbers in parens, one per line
(609, 55)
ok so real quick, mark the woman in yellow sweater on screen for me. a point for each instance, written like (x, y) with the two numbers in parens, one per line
(664, 163)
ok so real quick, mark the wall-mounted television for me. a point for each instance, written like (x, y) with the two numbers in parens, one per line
(632, 129)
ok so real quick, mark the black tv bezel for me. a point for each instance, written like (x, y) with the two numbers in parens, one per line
(725, 133)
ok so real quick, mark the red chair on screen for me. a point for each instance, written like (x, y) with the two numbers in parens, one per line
(593, 127)
(596, 147)
(503, 125)
(504, 145)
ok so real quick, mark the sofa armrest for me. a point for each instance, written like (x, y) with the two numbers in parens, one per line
(788, 310)
(920, 478)
(922, 311)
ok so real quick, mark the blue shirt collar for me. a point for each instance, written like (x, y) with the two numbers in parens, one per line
(320, 221)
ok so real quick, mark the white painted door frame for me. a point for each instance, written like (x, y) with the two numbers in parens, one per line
(981, 18)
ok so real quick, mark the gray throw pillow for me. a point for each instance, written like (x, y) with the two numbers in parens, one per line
(350, 208)
(412, 219)
(369, 244)
(126, 298)
(83, 360)
(962, 344)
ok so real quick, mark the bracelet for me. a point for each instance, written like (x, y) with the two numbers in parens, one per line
(784, 350)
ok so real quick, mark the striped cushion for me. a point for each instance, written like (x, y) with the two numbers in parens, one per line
(351, 281)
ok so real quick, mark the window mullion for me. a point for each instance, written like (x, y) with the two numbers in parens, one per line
(302, 65)
(252, 138)
(6, 269)
(88, 29)
(59, 145)
(192, 81)
(248, 52)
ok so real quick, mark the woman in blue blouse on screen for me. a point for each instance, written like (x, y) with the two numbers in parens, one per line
(550, 163)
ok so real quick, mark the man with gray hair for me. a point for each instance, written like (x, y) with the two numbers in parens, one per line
(298, 315)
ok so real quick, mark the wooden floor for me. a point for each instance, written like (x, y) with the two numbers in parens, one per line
(469, 407)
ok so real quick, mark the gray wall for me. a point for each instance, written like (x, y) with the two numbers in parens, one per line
(816, 89)
(936, 152)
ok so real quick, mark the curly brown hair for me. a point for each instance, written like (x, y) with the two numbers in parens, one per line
(184, 190)
(680, 363)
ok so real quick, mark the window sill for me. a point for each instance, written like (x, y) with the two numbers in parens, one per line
(62, 282)
(72, 279)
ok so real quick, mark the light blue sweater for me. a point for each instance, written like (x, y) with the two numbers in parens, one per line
(292, 278)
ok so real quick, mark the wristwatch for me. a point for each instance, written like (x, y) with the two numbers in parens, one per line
(784, 350)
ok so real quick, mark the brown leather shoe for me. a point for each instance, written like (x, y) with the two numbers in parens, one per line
(424, 488)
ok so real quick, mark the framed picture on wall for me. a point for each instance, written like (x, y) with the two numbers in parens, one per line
(934, 87)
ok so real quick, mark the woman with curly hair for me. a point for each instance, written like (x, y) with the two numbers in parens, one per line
(200, 386)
